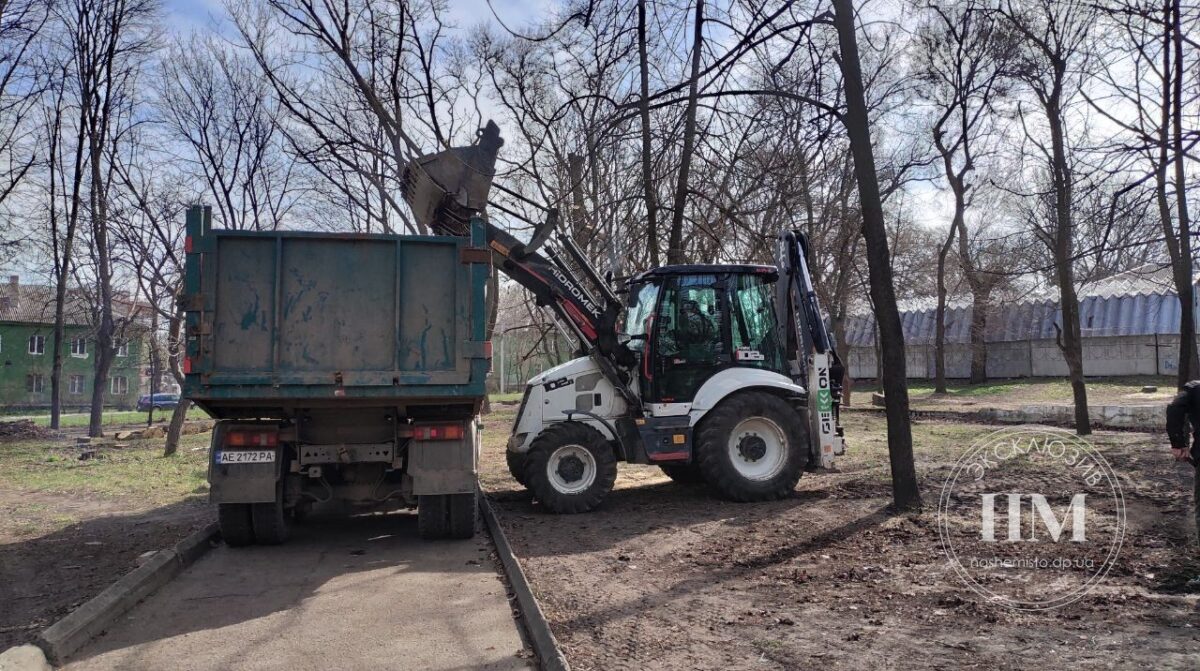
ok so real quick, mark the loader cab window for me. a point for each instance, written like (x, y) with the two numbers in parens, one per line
(643, 299)
(752, 323)
(687, 343)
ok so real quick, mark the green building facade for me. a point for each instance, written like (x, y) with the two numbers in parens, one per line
(27, 358)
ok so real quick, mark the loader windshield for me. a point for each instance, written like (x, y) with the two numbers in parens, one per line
(641, 306)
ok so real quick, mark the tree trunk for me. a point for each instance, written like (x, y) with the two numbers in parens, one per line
(1071, 340)
(1188, 364)
(647, 155)
(106, 329)
(675, 240)
(939, 343)
(176, 348)
(905, 491)
(980, 299)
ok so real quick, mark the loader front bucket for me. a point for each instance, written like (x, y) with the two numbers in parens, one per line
(446, 189)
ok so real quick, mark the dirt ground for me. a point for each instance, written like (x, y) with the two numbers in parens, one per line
(70, 528)
(665, 576)
(1015, 393)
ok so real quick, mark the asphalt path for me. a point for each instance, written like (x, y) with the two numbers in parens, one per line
(359, 592)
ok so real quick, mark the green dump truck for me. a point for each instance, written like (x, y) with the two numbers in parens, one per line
(339, 367)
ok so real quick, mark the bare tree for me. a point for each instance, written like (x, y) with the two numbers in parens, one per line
(108, 42)
(222, 110)
(962, 56)
(1141, 94)
(905, 491)
(365, 84)
(21, 80)
(1054, 51)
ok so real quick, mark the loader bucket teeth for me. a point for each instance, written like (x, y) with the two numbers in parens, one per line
(446, 188)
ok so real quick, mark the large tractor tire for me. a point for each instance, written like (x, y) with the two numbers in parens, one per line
(570, 468)
(237, 529)
(752, 447)
(516, 466)
(684, 474)
(441, 516)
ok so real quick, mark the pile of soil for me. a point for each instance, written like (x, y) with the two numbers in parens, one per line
(23, 429)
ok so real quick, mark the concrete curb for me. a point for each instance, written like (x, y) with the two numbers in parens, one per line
(65, 637)
(545, 646)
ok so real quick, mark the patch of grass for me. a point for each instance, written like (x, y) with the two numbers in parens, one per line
(1045, 389)
(116, 417)
(139, 471)
(510, 397)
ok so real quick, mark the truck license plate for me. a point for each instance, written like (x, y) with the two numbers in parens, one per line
(246, 457)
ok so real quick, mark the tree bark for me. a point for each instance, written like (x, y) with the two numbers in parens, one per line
(675, 240)
(647, 155)
(1188, 364)
(939, 343)
(905, 491)
(1071, 340)
(176, 345)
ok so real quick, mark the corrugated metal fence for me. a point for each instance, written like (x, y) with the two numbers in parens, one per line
(1130, 326)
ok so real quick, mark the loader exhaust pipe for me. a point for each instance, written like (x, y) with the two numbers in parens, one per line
(447, 188)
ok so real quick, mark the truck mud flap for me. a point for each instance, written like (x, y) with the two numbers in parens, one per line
(240, 482)
(444, 466)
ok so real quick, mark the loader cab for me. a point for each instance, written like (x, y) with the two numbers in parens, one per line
(687, 322)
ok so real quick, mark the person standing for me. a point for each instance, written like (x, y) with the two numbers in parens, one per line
(1183, 413)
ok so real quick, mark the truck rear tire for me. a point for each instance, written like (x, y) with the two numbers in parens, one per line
(570, 468)
(441, 516)
(270, 521)
(237, 529)
(752, 447)
(516, 466)
(684, 474)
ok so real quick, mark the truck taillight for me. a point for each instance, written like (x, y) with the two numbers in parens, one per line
(187, 365)
(251, 438)
(439, 432)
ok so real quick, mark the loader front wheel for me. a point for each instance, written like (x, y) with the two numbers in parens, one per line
(516, 466)
(752, 447)
(570, 468)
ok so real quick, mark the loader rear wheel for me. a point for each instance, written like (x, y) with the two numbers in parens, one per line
(441, 516)
(752, 447)
(237, 529)
(684, 474)
(570, 468)
(516, 466)
(270, 521)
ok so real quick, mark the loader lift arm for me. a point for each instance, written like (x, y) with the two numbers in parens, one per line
(445, 190)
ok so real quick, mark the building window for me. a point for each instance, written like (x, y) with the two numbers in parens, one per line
(119, 385)
(123, 348)
(76, 384)
(78, 347)
(33, 383)
(37, 344)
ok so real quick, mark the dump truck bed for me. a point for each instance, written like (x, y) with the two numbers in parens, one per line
(289, 319)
